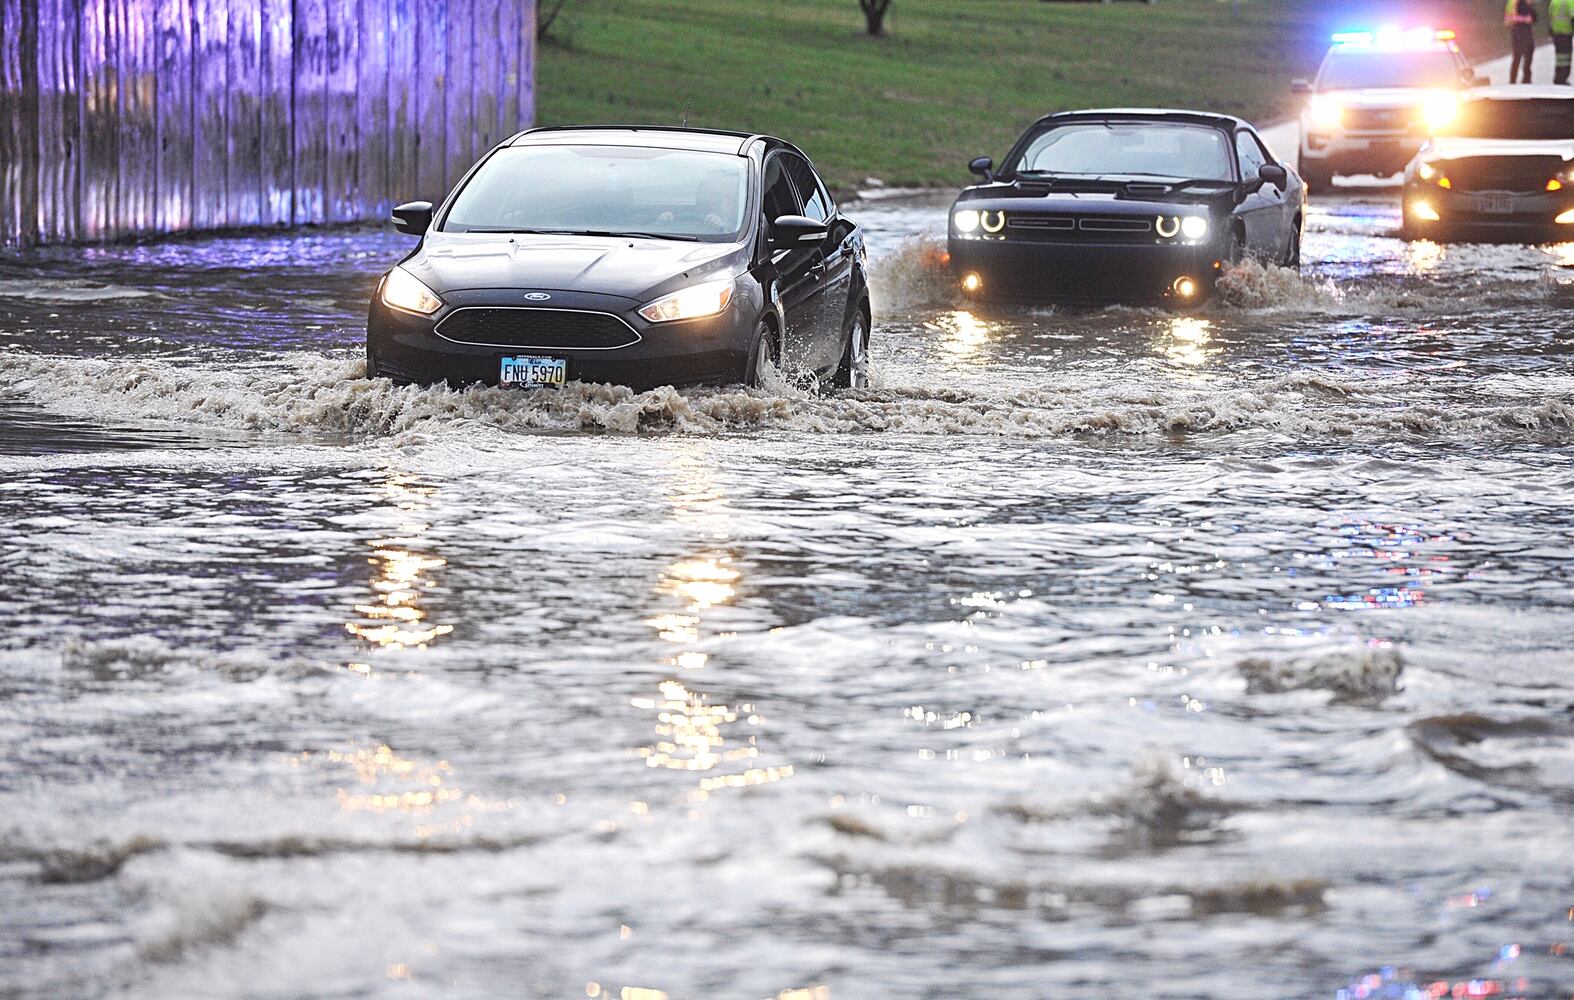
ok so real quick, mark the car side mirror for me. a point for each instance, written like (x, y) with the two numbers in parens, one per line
(413, 217)
(797, 232)
(1300, 86)
(984, 167)
(1273, 173)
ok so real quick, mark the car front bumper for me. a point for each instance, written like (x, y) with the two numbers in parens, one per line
(1531, 215)
(1083, 271)
(713, 350)
(1340, 152)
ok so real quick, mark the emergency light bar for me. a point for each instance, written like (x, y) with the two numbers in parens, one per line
(1394, 38)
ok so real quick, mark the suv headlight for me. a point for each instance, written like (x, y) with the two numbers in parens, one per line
(403, 290)
(1327, 111)
(704, 299)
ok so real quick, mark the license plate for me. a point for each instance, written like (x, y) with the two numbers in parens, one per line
(1494, 204)
(530, 372)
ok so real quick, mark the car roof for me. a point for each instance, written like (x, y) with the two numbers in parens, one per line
(1148, 114)
(1520, 92)
(659, 136)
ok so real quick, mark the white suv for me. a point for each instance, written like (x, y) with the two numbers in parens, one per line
(1376, 99)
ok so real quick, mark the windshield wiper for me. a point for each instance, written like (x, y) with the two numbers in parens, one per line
(648, 236)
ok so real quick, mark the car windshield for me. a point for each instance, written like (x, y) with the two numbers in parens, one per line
(1359, 68)
(1515, 119)
(605, 190)
(1158, 149)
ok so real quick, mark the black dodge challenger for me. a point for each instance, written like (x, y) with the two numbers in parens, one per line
(1124, 206)
(634, 255)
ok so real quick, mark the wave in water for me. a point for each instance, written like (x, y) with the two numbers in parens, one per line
(312, 394)
(1355, 675)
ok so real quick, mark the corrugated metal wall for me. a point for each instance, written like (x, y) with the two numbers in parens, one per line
(128, 117)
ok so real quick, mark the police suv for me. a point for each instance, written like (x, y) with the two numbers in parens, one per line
(1377, 97)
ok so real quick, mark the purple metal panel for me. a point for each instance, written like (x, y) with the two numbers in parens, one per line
(133, 116)
(99, 130)
(309, 119)
(507, 73)
(430, 83)
(242, 121)
(371, 110)
(404, 182)
(172, 100)
(18, 121)
(460, 54)
(210, 102)
(343, 141)
(485, 65)
(525, 106)
(136, 185)
(276, 78)
(59, 121)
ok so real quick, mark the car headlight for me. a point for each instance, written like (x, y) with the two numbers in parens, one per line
(1326, 111)
(1427, 172)
(965, 220)
(1194, 227)
(1439, 109)
(705, 299)
(403, 290)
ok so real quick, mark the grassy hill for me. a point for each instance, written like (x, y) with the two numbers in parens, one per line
(953, 78)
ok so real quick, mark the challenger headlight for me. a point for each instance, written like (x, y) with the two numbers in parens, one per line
(705, 299)
(966, 220)
(1326, 110)
(1194, 227)
(1439, 109)
(403, 290)
(995, 226)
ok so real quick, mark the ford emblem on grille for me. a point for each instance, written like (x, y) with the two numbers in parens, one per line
(537, 296)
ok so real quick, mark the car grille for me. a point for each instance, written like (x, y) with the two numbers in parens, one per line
(1378, 119)
(1502, 173)
(1102, 228)
(546, 328)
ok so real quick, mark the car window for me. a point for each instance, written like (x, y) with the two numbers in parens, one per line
(605, 189)
(815, 204)
(1251, 154)
(1158, 149)
(779, 199)
(1352, 69)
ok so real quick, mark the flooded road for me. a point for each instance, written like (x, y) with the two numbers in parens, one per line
(1103, 653)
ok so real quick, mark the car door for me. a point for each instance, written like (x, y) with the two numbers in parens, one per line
(1262, 209)
(796, 272)
(836, 260)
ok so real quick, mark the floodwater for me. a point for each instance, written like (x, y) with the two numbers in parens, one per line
(1086, 654)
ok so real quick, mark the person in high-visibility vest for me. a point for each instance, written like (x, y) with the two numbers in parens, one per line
(1519, 16)
(1560, 17)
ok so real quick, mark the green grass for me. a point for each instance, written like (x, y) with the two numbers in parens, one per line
(951, 80)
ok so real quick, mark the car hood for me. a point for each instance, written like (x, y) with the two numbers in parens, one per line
(636, 268)
(1380, 97)
(1113, 194)
(1452, 148)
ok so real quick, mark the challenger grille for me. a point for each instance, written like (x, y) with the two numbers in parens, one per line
(1502, 173)
(546, 328)
(1102, 228)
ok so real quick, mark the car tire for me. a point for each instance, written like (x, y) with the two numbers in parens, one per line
(1235, 252)
(1292, 253)
(1318, 180)
(853, 372)
(764, 357)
